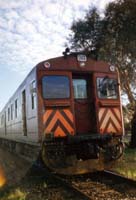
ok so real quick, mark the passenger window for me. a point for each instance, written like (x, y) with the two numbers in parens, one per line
(80, 88)
(12, 111)
(2, 119)
(16, 108)
(33, 94)
(8, 114)
(55, 87)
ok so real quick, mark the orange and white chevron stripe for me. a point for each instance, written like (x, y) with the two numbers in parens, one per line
(58, 121)
(110, 120)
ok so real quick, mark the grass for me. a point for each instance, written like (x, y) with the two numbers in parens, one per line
(16, 194)
(127, 165)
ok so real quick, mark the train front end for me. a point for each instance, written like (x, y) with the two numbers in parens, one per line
(80, 116)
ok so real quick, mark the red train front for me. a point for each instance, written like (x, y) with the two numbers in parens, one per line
(80, 119)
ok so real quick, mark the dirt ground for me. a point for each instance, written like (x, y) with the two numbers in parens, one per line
(12, 168)
(16, 184)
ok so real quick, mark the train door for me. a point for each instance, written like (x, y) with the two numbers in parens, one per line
(24, 113)
(83, 104)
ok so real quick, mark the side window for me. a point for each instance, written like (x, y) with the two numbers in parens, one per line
(33, 94)
(12, 111)
(2, 120)
(16, 108)
(8, 114)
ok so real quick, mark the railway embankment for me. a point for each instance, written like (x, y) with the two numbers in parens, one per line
(12, 168)
(28, 181)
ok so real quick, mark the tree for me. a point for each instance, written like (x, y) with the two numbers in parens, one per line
(120, 42)
(87, 32)
(113, 39)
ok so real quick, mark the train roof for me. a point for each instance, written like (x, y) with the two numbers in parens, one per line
(18, 88)
(74, 62)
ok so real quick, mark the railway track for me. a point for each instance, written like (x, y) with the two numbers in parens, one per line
(57, 180)
(104, 185)
(100, 185)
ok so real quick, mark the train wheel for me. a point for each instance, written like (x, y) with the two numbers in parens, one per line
(52, 159)
(117, 151)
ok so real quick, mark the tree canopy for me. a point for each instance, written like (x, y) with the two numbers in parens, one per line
(111, 38)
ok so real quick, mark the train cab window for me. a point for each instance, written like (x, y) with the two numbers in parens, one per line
(80, 88)
(107, 88)
(56, 87)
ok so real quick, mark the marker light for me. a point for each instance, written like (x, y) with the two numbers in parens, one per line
(46, 65)
(112, 68)
(81, 58)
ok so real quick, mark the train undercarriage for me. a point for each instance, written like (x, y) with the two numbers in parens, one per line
(82, 153)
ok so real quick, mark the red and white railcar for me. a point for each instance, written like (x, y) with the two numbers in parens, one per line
(70, 105)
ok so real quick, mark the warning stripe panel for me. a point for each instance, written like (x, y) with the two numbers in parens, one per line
(117, 113)
(110, 127)
(59, 132)
(59, 121)
(69, 114)
(110, 120)
(46, 115)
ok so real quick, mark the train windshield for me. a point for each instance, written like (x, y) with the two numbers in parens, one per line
(55, 87)
(107, 88)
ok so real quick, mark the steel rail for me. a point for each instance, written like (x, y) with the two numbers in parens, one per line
(58, 179)
(72, 187)
(120, 178)
(64, 181)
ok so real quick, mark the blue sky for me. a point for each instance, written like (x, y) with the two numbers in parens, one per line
(32, 31)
